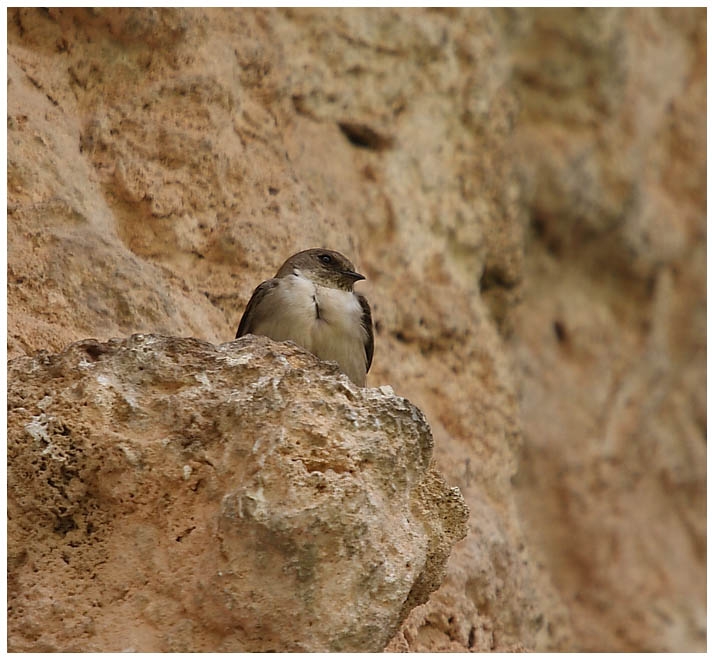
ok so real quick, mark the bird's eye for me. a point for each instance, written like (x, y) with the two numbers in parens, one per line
(325, 258)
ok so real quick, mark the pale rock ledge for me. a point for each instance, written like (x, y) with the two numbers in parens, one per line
(167, 494)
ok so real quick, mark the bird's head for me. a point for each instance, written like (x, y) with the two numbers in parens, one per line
(325, 267)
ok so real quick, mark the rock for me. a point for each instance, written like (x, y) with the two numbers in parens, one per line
(610, 337)
(166, 494)
(525, 190)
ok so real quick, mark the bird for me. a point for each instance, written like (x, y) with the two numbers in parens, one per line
(312, 302)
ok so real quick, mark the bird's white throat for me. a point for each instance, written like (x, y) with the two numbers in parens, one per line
(326, 321)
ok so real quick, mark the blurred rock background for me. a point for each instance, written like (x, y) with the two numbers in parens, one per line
(525, 190)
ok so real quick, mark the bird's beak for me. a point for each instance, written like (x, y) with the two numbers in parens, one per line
(353, 276)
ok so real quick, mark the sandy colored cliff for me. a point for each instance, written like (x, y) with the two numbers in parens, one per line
(169, 495)
(525, 191)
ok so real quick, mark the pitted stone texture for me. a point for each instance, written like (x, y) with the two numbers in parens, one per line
(525, 190)
(169, 495)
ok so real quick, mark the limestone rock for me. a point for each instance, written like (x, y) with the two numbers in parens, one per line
(610, 337)
(525, 190)
(169, 495)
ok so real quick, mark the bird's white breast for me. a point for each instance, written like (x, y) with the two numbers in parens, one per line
(327, 322)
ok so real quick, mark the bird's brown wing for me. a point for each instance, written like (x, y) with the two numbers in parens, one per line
(367, 325)
(252, 314)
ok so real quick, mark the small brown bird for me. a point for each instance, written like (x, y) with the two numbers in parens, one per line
(311, 301)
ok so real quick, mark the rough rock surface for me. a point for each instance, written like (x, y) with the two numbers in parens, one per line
(611, 336)
(169, 495)
(526, 192)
